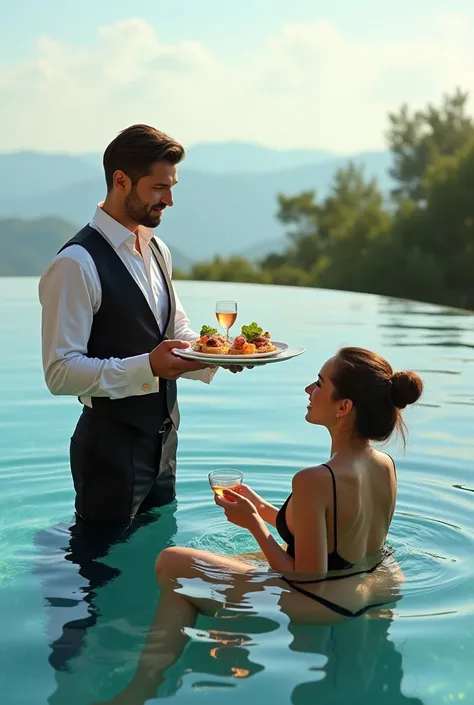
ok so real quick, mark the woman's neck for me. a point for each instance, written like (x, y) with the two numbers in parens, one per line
(347, 443)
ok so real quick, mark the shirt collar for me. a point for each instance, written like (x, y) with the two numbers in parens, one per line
(114, 231)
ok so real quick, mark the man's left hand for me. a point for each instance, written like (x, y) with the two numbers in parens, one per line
(236, 368)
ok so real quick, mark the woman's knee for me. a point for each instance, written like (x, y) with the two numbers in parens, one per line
(169, 562)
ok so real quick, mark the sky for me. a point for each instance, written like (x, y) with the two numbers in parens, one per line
(282, 73)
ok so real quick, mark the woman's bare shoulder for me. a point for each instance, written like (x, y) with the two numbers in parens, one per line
(312, 486)
(386, 473)
(384, 460)
(309, 476)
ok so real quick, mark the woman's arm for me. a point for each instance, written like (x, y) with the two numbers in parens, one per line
(242, 511)
(266, 510)
(274, 553)
(311, 491)
(309, 504)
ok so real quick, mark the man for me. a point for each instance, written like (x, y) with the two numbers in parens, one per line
(110, 319)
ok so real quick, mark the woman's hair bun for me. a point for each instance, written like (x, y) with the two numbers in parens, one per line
(407, 388)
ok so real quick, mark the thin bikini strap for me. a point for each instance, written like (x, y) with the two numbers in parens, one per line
(326, 603)
(332, 605)
(394, 466)
(335, 505)
(336, 577)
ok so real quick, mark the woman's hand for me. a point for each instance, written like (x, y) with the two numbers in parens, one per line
(238, 509)
(249, 493)
(266, 510)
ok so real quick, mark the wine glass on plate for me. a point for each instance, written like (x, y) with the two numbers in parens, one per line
(226, 313)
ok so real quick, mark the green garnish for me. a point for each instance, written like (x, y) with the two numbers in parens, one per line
(251, 332)
(208, 330)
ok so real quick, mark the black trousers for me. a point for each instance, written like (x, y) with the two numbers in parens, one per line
(72, 566)
(119, 474)
(118, 470)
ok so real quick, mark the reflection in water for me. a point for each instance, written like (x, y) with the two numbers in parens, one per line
(362, 663)
(404, 326)
(437, 344)
(354, 662)
(463, 487)
(222, 654)
(438, 372)
(74, 564)
(388, 306)
(442, 328)
(247, 626)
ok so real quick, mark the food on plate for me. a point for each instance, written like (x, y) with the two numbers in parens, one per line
(211, 342)
(241, 347)
(215, 345)
(252, 341)
(254, 335)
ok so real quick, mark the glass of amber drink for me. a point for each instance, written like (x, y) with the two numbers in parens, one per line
(226, 314)
(225, 479)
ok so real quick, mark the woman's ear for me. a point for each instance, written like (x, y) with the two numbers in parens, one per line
(344, 407)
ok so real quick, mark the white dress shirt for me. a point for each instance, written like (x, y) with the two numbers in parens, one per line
(70, 294)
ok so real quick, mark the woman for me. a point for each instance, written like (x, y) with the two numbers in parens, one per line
(335, 521)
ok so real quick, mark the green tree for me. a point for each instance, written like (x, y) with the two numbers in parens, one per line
(417, 138)
(179, 274)
(445, 228)
(302, 213)
(234, 269)
(329, 240)
(428, 254)
(287, 275)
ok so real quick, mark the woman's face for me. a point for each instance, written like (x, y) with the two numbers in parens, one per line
(322, 407)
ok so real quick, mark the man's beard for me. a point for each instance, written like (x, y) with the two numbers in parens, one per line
(141, 212)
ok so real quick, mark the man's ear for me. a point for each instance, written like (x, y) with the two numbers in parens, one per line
(122, 182)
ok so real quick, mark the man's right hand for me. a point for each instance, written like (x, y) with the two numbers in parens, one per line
(164, 363)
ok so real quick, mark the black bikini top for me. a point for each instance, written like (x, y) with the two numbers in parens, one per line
(335, 561)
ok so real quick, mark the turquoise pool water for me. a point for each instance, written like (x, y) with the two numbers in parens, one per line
(61, 645)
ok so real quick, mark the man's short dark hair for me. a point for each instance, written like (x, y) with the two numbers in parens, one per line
(135, 149)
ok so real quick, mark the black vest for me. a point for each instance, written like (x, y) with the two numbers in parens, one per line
(125, 326)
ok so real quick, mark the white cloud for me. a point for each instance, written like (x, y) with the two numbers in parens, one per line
(307, 86)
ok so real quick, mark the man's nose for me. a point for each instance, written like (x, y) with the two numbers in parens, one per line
(167, 199)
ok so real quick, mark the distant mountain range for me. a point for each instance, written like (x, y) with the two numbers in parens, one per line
(225, 202)
(28, 245)
(241, 157)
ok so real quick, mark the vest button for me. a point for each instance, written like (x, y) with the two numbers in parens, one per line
(146, 387)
